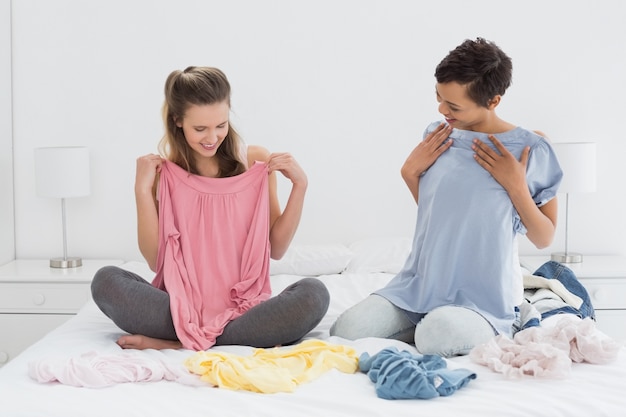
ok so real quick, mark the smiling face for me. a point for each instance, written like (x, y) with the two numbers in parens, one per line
(460, 111)
(205, 127)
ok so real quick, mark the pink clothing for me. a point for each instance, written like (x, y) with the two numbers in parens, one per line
(96, 370)
(213, 257)
(547, 352)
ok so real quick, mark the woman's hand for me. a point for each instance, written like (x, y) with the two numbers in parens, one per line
(427, 151)
(288, 166)
(540, 222)
(502, 164)
(283, 225)
(148, 166)
(423, 156)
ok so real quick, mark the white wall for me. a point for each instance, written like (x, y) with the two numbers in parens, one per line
(345, 86)
(7, 236)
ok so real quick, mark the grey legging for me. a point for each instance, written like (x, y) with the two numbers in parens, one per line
(137, 307)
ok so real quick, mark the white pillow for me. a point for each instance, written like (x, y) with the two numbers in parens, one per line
(312, 260)
(379, 254)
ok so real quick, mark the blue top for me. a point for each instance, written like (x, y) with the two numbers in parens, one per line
(464, 246)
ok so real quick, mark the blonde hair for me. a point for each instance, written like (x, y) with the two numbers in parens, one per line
(197, 86)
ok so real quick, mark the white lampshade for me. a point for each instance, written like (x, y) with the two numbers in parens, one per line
(62, 172)
(578, 162)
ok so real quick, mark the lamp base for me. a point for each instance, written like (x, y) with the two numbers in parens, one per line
(65, 262)
(567, 257)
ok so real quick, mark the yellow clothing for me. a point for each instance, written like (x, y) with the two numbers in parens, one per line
(272, 370)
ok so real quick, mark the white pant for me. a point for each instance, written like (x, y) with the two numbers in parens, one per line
(446, 331)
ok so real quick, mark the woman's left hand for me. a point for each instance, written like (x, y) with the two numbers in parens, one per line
(288, 166)
(502, 164)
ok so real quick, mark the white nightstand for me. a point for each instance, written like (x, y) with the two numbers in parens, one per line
(604, 277)
(35, 299)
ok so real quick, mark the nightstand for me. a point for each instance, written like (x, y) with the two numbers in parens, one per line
(35, 298)
(604, 277)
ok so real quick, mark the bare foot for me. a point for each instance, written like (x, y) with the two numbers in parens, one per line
(137, 341)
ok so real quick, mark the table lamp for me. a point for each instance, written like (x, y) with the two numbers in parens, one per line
(578, 162)
(62, 172)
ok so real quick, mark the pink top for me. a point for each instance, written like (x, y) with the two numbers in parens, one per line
(213, 256)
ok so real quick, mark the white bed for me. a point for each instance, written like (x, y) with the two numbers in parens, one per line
(590, 390)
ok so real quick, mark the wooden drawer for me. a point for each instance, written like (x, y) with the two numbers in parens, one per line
(43, 298)
(612, 323)
(606, 293)
(22, 330)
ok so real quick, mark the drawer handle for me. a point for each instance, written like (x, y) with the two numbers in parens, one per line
(600, 295)
(4, 357)
(39, 299)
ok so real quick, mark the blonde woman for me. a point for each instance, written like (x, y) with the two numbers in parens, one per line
(208, 222)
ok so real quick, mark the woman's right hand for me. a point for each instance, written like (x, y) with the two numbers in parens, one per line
(423, 156)
(427, 151)
(148, 166)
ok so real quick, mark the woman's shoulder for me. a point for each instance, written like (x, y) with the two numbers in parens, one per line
(534, 138)
(257, 153)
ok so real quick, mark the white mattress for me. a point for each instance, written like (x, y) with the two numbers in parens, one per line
(590, 390)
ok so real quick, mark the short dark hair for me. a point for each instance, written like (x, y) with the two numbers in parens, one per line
(479, 64)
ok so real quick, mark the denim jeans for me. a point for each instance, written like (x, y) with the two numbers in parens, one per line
(446, 331)
(560, 272)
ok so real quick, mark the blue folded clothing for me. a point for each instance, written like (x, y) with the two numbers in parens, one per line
(403, 375)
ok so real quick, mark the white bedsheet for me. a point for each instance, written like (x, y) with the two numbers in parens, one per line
(590, 390)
